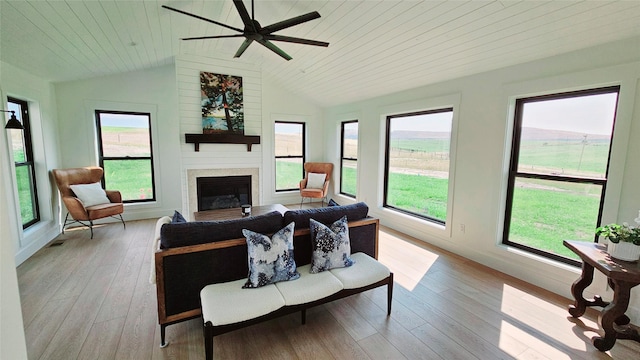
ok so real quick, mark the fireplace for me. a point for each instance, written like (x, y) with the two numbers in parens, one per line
(223, 192)
(190, 200)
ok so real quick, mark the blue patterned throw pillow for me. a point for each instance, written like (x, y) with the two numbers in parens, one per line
(331, 245)
(177, 218)
(332, 203)
(270, 259)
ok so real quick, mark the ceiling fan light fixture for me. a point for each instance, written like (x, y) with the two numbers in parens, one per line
(253, 31)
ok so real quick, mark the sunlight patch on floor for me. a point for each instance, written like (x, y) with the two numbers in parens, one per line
(538, 349)
(529, 320)
(407, 261)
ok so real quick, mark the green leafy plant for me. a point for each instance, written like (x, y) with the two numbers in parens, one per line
(616, 233)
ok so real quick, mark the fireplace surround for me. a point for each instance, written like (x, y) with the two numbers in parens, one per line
(192, 175)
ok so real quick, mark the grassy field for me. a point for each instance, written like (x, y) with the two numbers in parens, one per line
(27, 210)
(349, 177)
(544, 212)
(569, 158)
(131, 177)
(288, 174)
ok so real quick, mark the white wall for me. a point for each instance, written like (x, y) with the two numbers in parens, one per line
(216, 156)
(151, 91)
(40, 96)
(12, 339)
(282, 105)
(264, 102)
(481, 155)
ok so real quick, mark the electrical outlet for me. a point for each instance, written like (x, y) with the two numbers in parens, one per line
(462, 228)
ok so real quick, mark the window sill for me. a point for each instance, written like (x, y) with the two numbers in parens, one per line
(538, 258)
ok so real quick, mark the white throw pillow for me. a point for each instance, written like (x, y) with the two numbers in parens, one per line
(90, 194)
(315, 181)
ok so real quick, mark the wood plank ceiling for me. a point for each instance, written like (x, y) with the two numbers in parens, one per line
(377, 47)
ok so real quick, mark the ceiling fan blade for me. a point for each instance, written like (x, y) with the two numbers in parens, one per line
(212, 37)
(243, 47)
(244, 15)
(269, 45)
(202, 18)
(289, 22)
(295, 40)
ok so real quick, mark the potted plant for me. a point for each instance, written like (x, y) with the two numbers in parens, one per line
(624, 241)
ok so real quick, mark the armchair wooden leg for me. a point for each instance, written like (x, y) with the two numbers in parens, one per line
(91, 227)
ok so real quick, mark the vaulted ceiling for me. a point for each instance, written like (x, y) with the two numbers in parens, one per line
(376, 47)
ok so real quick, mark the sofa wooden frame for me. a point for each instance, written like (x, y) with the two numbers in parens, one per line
(165, 319)
(210, 330)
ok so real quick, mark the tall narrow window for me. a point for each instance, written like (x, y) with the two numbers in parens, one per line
(22, 149)
(417, 163)
(349, 158)
(558, 170)
(125, 154)
(289, 154)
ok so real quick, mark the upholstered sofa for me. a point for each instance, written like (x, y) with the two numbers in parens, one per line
(192, 256)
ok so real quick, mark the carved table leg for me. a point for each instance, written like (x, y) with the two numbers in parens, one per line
(581, 304)
(624, 319)
(614, 311)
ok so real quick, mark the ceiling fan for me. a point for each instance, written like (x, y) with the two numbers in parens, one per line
(253, 31)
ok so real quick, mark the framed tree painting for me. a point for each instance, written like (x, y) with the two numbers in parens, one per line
(222, 107)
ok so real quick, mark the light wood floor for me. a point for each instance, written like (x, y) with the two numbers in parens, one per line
(91, 299)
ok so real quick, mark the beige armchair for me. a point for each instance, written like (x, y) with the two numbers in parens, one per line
(97, 205)
(313, 186)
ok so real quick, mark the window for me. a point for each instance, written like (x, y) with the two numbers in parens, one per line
(417, 163)
(289, 153)
(349, 158)
(558, 170)
(124, 146)
(22, 149)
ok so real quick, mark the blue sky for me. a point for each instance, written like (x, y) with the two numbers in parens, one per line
(124, 120)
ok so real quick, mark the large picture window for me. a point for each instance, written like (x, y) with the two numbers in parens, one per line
(22, 149)
(558, 170)
(417, 163)
(289, 154)
(349, 158)
(124, 145)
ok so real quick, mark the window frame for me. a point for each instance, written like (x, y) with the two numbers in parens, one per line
(343, 158)
(385, 204)
(514, 174)
(276, 157)
(29, 158)
(102, 158)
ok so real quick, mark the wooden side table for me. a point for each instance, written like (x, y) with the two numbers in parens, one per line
(621, 276)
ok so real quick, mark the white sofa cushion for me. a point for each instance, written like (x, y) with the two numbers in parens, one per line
(309, 287)
(228, 303)
(365, 271)
(155, 246)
